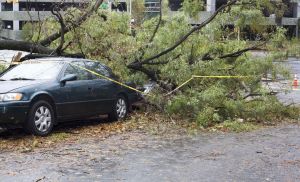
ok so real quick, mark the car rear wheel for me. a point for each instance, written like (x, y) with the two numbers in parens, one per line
(41, 119)
(120, 109)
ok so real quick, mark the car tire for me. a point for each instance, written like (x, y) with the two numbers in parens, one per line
(120, 109)
(41, 119)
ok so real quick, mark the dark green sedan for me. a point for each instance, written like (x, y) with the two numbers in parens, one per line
(40, 93)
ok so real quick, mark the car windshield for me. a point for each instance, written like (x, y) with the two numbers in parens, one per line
(34, 70)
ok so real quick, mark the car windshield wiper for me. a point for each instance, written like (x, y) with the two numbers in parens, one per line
(2, 79)
(20, 78)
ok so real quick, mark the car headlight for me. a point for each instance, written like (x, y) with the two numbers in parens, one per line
(10, 97)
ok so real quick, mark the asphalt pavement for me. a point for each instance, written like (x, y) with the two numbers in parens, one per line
(290, 94)
(268, 154)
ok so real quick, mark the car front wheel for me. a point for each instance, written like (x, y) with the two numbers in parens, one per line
(120, 109)
(41, 119)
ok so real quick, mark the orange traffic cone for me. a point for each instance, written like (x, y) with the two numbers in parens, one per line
(295, 82)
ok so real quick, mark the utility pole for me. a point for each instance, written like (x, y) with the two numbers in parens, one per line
(298, 17)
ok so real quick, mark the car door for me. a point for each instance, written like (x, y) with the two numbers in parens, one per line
(79, 98)
(105, 91)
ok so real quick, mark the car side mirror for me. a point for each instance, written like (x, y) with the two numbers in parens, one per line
(67, 78)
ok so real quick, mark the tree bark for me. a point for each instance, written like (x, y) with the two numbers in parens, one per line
(24, 46)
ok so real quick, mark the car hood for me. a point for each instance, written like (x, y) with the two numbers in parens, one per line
(7, 86)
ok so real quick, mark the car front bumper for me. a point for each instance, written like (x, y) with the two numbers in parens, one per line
(13, 112)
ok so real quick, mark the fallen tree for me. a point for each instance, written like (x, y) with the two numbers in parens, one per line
(169, 50)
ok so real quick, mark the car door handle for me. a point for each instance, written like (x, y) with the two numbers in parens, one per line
(90, 88)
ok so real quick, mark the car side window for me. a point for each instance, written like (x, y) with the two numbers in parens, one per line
(98, 68)
(81, 73)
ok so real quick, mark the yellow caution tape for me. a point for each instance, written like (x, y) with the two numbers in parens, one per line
(134, 89)
(196, 76)
(97, 74)
(112, 80)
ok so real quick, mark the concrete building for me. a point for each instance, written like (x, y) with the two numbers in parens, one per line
(152, 7)
(14, 15)
(290, 18)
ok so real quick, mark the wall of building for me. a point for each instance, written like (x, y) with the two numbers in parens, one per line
(290, 20)
(15, 15)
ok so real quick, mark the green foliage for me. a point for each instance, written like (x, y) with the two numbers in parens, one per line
(293, 47)
(207, 117)
(278, 38)
(2, 68)
(38, 31)
(138, 9)
(279, 9)
(192, 7)
(237, 126)
(248, 17)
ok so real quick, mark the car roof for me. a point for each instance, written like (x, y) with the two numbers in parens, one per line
(67, 60)
(60, 59)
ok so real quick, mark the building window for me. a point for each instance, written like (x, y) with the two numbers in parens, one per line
(175, 5)
(219, 3)
(120, 7)
(23, 23)
(152, 6)
(289, 12)
(44, 6)
(290, 9)
(8, 25)
(6, 6)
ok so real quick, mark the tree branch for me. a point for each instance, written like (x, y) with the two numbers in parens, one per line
(259, 94)
(47, 41)
(143, 49)
(150, 74)
(138, 65)
(164, 62)
(158, 23)
(24, 46)
(184, 38)
(238, 53)
(55, 11)
(36, 56)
